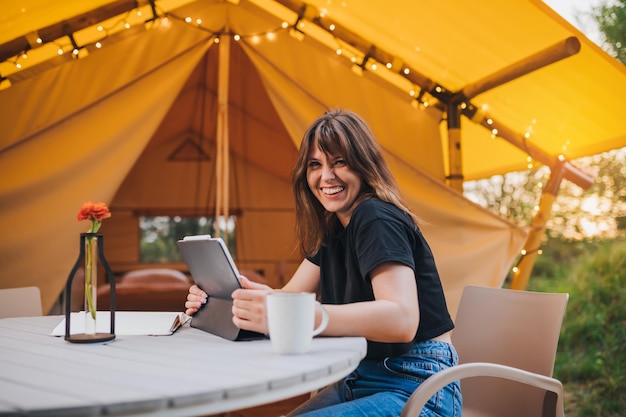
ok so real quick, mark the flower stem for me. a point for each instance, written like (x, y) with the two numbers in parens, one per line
(88, 271)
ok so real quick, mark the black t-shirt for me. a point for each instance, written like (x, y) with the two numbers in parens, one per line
(380, 232)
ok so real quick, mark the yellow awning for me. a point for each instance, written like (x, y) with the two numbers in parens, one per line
(570, 108)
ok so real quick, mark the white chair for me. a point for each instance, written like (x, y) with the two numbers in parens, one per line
(507, 341)
(20, 302)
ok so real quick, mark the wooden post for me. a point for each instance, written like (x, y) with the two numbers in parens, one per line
(533, 242)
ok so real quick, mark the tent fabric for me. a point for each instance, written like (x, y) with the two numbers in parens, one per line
(566, 108)
(362, 95)
(80, 152)
(134, 125)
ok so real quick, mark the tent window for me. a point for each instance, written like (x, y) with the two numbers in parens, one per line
(160, 233)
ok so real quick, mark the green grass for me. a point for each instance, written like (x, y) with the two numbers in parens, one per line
(591, 358)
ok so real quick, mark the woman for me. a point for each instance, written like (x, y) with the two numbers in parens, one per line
(375, 273)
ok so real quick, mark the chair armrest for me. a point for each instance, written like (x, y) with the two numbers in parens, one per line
(439, 380)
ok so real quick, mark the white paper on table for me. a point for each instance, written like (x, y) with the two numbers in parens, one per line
(127, 323)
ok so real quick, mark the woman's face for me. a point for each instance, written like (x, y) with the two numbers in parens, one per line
(333, 183)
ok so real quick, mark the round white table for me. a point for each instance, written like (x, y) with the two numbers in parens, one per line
(188, 373)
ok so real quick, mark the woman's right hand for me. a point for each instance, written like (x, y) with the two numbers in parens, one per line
(195, 299)
(249, 305)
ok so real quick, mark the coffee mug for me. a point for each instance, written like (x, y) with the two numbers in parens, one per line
(291, 321)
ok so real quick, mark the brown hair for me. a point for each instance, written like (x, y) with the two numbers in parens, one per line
(340, 132)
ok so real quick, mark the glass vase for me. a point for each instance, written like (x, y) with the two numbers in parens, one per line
(91, 257)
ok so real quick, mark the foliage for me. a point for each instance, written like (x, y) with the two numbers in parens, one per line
(590, 360)
(512, 196)
(611, 20)
(557, 257)
(598, 212)
(159, 235)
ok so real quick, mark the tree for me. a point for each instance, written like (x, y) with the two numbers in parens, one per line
(598, 212)
(611, 20)
(513, 196)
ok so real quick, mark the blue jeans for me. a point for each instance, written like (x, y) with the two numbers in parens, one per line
(382, 387)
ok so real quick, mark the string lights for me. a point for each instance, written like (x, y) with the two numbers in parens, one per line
(68, 44)
(297, 30)
(523, 254)
(362, 56)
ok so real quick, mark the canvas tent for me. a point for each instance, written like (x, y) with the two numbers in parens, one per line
(136, 123)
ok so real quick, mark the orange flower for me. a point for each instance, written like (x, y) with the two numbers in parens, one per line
(96, 212)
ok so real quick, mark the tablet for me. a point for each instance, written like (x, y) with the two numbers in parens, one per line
(210, 265)
(214, 271)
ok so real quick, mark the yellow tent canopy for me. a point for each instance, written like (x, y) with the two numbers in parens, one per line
(133, 120)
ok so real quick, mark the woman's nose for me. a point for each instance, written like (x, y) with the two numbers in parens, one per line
(328, 173)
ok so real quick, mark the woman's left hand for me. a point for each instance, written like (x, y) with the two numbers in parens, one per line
(195, 300)
(249, 306)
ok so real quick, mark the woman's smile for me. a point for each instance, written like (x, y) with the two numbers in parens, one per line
(332, 190)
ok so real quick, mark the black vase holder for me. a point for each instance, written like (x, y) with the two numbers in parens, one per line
(82, 337)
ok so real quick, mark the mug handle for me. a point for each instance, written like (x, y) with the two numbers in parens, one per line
(324, 322)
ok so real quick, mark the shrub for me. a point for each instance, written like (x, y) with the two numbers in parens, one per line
(591, 361)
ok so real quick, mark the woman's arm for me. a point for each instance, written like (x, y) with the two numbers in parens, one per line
(306, 278)
(249, 302)
(392, 317)
(196, 297)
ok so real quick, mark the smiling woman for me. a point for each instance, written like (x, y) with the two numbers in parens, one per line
(374, 272)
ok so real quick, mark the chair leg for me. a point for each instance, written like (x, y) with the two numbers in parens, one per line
(549, 404)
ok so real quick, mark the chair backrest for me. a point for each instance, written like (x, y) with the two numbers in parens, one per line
(20, 302)
(509, 327)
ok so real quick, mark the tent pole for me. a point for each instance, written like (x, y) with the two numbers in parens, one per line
(222, 165)
(526, 262)
(454, 178)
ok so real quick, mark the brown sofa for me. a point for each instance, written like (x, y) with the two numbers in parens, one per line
(157, 289)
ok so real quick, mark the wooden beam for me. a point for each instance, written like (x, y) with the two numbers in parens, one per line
(67, 27)
(550, 55)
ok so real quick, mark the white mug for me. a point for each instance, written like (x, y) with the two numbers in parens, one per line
(291, 321)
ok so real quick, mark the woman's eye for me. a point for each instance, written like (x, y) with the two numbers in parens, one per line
(340, 162)
(313, 164)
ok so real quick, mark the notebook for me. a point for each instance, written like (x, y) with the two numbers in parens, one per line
(213, 270)
(127, 323)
